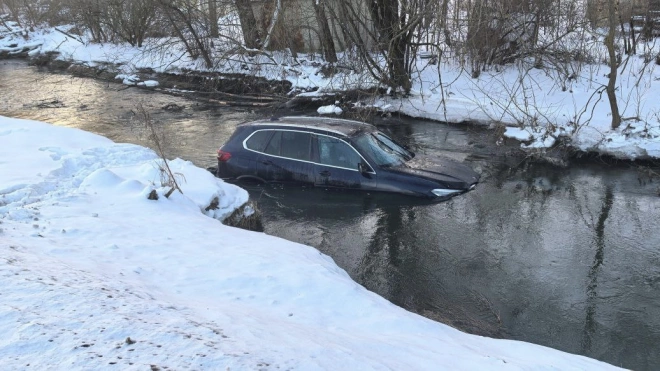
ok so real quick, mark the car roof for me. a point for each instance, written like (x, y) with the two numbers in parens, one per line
(335, 125)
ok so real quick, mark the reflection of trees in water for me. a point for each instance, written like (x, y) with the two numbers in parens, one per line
(392, 264)
(612, 327)
(590, 325)
(400, 131)
(380, 266)
(399, 265)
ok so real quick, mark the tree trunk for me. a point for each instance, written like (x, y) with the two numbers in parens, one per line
(393, 39)
(271, 28)
(213, 18)
(633, 38)
(327, 42)
(397, 64)
(248, 24)
(609, 44)
(444, 15)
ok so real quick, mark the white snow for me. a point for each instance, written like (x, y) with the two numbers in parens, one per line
(329, 110)
(522, 135)
(87, 261)
(128, 79)
(148, 83)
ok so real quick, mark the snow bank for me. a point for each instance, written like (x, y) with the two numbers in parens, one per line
(95, 276)
(59, 162)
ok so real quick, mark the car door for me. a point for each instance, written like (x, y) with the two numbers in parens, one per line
(255, 145)
(287, 158)
(338, 165)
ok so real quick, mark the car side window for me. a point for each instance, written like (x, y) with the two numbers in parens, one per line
(296, 145)
(334, 152)
(258, 140)
(273, 147)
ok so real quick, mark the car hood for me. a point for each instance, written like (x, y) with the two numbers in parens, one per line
(448, 173)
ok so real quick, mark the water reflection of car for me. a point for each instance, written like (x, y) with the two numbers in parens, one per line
(335, 153)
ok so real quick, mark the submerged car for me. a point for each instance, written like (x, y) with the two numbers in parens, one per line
(336, 153)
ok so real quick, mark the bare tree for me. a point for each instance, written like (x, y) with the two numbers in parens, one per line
(325, 35)
(273, 21)
(32, 13)
(396, 23)
(392, 27)
(249, 25)
(90, 15)
(212, 7)
(188, 25)
(130, 20)
(612, 6)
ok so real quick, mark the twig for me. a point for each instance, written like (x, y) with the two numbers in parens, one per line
(69, 35)
(156, 141)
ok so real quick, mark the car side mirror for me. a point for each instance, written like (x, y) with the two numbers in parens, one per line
(363, 168)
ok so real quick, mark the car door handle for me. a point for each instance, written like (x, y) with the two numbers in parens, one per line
(267, 162)
(325, 173)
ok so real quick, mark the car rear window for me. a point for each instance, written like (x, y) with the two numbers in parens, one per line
(258, 140)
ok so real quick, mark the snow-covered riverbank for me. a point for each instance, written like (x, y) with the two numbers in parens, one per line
(537, 105)
(95, 276)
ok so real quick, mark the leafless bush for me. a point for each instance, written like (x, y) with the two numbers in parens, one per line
(188, 24)
(130, 20)
(113, 20)
(89, 15)
(32, 13)
(158, 141)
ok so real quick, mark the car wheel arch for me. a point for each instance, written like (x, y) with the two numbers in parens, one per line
(251, 178)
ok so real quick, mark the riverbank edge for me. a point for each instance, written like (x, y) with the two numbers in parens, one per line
(259, 93)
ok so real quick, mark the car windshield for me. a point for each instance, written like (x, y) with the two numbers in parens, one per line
(383, 150)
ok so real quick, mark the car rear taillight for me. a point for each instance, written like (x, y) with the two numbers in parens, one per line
(223, 155)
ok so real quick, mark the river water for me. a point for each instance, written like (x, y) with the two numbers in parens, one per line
(567, 258)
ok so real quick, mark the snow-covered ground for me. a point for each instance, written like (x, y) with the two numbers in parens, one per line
(533, 101)
(94, 275)
(538, 101)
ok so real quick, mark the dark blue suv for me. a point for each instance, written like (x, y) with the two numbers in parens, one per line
(335, 153)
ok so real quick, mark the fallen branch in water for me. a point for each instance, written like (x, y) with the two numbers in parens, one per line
(226, 103)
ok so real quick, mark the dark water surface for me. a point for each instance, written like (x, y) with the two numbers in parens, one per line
(567, 258)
